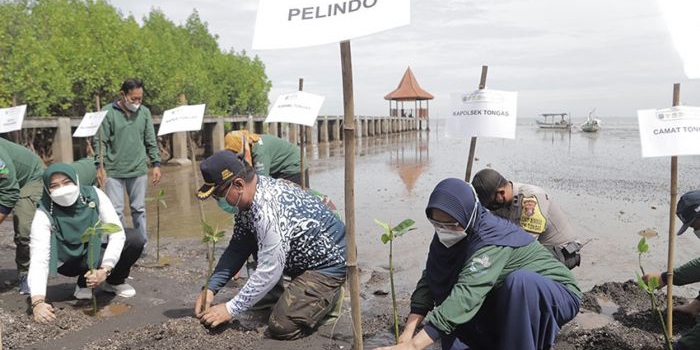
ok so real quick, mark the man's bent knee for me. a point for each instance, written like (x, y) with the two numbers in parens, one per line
(284, 328)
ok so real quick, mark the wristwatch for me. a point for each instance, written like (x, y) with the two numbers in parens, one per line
(107, 271)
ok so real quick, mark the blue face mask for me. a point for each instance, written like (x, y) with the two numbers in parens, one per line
(223, 205)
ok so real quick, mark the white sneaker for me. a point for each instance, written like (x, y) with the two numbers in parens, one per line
(123, 290)
(82, 293)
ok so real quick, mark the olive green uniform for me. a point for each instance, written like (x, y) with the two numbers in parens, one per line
(20, 190)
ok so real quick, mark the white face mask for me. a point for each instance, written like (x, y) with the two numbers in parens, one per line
(66, 195)
(131, 106)
(448, 237)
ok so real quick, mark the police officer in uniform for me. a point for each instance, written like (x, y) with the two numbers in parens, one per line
(532, 209)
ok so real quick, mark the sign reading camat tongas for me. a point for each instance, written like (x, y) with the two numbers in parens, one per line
(329, 10)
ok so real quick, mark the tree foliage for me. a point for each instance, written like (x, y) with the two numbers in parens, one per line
(60, 57)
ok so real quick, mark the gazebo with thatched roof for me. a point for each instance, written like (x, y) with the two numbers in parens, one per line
(407, 91)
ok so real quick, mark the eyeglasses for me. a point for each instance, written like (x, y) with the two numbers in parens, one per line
(444, 225)
(222, 190)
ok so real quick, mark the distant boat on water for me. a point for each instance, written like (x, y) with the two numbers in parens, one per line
(592, 124)
(551, 121)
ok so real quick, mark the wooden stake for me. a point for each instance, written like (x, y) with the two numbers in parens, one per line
(672, 226)
(302, 145)
(472, 145)
(349, 142)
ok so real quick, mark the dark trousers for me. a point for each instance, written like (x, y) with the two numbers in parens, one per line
(525, 312)
(133, 246)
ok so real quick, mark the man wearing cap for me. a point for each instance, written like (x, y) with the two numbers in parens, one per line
(688, 210)
(533, 210)
(294, 234)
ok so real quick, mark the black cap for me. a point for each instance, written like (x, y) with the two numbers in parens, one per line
(688, 209)
(486, 182)
(217, 169)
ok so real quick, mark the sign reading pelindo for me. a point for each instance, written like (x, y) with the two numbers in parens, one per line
(11, 118)
(485, 113)
(90, 123)
(671, 131)
(297, 107)
(301, 23)
(183, 118)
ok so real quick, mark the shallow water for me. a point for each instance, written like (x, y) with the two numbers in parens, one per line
(600, 179)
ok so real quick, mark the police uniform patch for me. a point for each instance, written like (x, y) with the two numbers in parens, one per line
(531, 218)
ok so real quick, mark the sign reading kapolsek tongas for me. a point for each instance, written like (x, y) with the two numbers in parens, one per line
(183, 118)
(673, 131)
(485, 113)
(300, 23)
(90, 123)
(11, 118)
(297, 107)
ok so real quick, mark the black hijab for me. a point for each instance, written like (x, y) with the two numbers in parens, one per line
(458, 199)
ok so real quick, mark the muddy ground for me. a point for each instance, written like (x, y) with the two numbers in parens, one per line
(615, 315)
(595, 179)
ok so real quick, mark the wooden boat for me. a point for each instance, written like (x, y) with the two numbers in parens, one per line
(592, 124)
(551, 121)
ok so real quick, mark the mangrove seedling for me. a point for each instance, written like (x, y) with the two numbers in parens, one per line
(649, 286)
(211, 236)
(159, 201)
(388, 237)
(91, 236)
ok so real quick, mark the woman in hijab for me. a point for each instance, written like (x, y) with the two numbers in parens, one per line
(488, 283)
(64, 213)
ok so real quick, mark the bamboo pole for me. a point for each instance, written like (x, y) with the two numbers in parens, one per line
(302, 145)
(672, 226)
(472, 145)
(349, 141)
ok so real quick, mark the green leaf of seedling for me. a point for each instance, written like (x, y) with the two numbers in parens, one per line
(219, 235)
(85, 237)
(385, 238)
(206, 239)
(640, 282)
(208, 230)
(387, 235)
(161, 192)
(642, 246)
(109, 228)
(404, 227)
(162, 202)
(653, 283)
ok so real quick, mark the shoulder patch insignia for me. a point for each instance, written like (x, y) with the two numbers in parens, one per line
(531, 218)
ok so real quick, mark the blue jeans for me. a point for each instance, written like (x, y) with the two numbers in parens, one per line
(135, 188)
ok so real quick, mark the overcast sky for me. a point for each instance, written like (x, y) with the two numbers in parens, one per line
(560, 56)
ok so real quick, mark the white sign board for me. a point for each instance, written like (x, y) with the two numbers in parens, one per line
(485, 113)
(297, 107)
(682, 19)
(301, 23)
(671, 131)
(90, 123)
(183, 118)
(11, 118)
